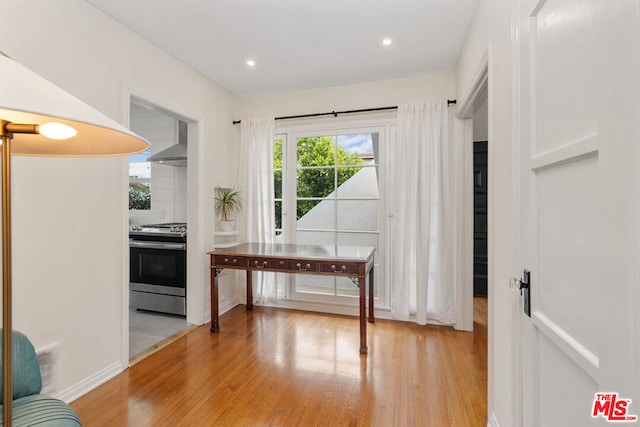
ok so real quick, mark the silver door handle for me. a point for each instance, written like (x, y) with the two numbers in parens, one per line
(157, 245)
(524, 286)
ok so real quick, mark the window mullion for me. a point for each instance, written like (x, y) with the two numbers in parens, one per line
(290, 186)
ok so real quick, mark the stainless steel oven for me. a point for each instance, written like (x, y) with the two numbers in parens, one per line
(158, 268)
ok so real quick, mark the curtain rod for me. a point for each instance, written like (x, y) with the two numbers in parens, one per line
(335, 113)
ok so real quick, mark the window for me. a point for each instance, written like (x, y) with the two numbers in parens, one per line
(140, 181)
(278, 146)
(331, 180)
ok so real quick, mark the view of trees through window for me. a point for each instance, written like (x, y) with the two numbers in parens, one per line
(139, 196)
(140, 181)
(317, 176)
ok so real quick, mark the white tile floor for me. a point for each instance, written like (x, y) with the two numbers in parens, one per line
(147, 328)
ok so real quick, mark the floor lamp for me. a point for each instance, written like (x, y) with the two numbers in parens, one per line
(38, 118)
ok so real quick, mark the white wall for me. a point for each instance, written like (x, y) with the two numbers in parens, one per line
(349, 97)
(481, 122)
(70, 214)
(490, 34)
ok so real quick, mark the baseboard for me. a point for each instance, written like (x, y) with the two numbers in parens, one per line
(88, 384)
(325, 307)
(225, 306)
(492, 421)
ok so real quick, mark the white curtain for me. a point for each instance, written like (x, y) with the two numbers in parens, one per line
(426, 224)
(255, 183)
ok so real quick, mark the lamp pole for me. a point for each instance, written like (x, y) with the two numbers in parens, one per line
(6, 276)
(7, 129)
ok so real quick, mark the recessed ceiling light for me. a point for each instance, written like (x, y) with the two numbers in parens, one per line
(251, 63)
(387, 41)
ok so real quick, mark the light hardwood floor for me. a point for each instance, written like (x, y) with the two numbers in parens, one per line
(273, 367)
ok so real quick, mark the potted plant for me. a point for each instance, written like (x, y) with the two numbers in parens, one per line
(227, 202)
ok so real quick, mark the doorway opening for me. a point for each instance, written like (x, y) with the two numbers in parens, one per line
(157, 230)
(475, 114)
(480, 199)
(481, 191)
(480, 218)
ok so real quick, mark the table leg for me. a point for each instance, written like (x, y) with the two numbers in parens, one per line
(215, 321)
(249, 290)
(363, 315)
(371, 314)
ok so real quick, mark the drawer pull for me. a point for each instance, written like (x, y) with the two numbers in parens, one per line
(281, 262)
(226, 260)
(235, 261)
(306, 267)
(264, 264)
(342, 269)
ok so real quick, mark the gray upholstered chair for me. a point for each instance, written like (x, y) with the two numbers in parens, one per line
(30, 408)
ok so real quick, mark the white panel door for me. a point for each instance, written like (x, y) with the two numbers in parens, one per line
(574, 114)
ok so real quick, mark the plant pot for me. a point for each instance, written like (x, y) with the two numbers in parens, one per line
(227, 225)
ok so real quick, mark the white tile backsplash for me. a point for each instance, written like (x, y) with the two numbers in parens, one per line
(168, 188)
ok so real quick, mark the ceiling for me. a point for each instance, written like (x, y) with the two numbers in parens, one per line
(300, 44)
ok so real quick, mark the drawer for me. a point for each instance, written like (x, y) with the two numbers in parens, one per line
(347, 268)
(296, 265)
(231, 260)
(263, 263)
(281, 264)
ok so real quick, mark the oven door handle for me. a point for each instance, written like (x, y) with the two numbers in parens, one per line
(157, 245)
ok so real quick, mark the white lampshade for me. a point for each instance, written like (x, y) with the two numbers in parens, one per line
(26, 97)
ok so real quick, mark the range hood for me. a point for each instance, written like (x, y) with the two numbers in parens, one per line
(176, 155)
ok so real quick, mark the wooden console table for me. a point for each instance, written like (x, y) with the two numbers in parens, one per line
(349, 261)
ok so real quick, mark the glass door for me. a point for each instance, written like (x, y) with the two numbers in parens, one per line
(331, 181)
